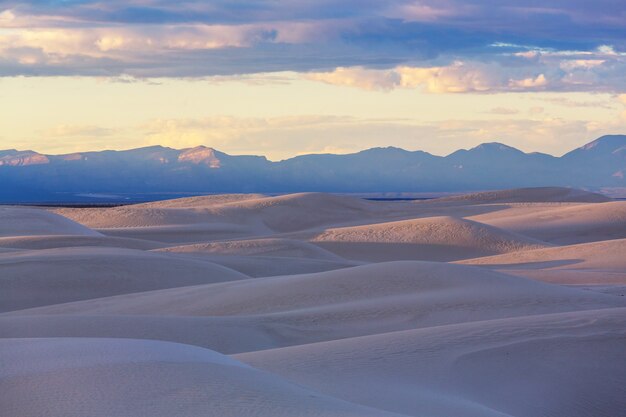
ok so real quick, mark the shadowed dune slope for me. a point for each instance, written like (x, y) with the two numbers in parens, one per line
(567, 364)
(564, 225)
(269, 266)
(64, 241)
(431, 238)
(596, 264)
(432, 292)
(227, 334)
(278, 247)
(606, 255)
(122, 377)
(52, 276)
(22, 221)
(527, 195)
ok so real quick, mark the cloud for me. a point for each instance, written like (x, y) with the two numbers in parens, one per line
(455, 78)
(573, 45)
(359, 77)
(534, 70)
(526, 83)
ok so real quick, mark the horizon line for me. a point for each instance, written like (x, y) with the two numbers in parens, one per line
(314, 153)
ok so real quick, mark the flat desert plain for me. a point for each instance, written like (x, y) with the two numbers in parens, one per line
(507, 303)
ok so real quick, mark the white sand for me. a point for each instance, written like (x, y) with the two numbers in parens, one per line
(564, 224)
(352, 306)
(528, 195)
(21, 221)
(568, 364)
(62, 241)
(432, 238)
(51, 276)
(108, 377)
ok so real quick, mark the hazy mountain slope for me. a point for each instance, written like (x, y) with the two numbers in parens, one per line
(30, 176)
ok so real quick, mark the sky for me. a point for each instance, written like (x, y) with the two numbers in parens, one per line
(283, 78)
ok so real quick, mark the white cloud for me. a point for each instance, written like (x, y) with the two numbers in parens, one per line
(529, 83)
(359, 77)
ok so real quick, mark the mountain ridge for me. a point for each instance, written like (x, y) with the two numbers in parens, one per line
(29, 175)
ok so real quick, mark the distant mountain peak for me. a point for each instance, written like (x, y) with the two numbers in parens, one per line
(608, 141)
(384, 150)
(609, 145)
(22, 158)
(495, 146)
(200, 155)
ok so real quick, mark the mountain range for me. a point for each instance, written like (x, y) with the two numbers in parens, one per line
(28, 176)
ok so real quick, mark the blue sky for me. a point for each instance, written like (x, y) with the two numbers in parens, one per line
(558, 55)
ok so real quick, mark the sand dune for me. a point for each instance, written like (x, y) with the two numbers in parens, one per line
(227, 334)
(564, 224)
(185, 234)
(432, 238)
(335, 294)
(265, 257)
(285, 213)
(115, 377)
(201, 201)
(528, 195)
(135, 216)
(246, 329)
(51, 276)
(63, 241)
(21, 221)
(596, 263)
(599, 256)
(568, 364)
(355, 301)
(289, 248)
(268, 266)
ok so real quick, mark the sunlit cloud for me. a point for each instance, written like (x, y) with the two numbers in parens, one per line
(576, 46)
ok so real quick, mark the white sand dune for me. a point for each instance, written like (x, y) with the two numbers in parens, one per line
(269, 266)
(523, 313)
(563, 224)
(134, 216)
(606, 255)
(289, 248)
(567, 364)
(287, 213)
(349, 302)
(22, 221)
(185, 234)
(595, 263)
(265, 257)
(109, 377)
(64, 241)
(201, 201)
(527, 195)
(431, 238)
(227, 334)
(52, 276)
(269, 324)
